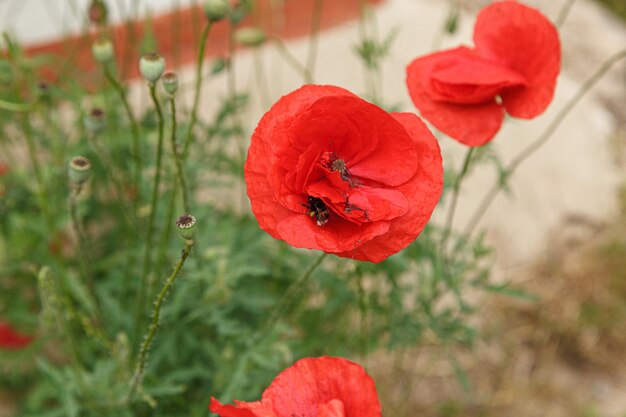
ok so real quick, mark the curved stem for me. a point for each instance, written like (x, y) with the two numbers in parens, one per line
(134, 126)
(455, 196)
(267, 329)
(177, 158)
(145, 271)
(196, 98)
(316, 21)
(564, 12)
(154, 325)
(17, 107)
(292, 61)
(541, 140)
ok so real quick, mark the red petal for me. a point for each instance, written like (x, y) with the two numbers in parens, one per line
(270, 134)
(524, 40)
(360, 133)
(333, 408)
(242, 409)
(12, 339)
(423, 192)
(470, 124)
(463, 77)
(314, 384)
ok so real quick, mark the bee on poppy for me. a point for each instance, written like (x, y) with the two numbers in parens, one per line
(316, 208)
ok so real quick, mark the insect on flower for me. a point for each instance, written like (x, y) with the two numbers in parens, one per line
(316, 208)
(349, 208)
(339, 165)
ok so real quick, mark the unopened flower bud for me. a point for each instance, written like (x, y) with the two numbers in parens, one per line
(250, 36)
(151, 66)
(98, 12)
(42, 90)
(186, 226)
(219, 65)
(215, 10)
(170, 82)
(95, 120)
(102, 50)
(79, 169)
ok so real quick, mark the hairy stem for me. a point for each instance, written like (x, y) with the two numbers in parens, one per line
(145, 286)
(134, 126)
(541, 140)
(196, 97)
(154, 325)
(455, 197)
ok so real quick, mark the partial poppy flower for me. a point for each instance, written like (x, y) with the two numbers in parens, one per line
(327, 170)
(513, 68)
(312, 387)
(11, 339)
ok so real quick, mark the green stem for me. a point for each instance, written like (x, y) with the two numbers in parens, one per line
(292, 61)
(177, 158)
(563, 13)
(316, 21)
(196, 98)
(42, 193)
(134, 126)
(154, 325)
(455, 197)
(145, 286)
(541, 140)
(17, 107)
(266, 330)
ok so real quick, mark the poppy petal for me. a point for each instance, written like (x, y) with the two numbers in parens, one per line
(242, 409)
(423, 191)
(472, 125)
(312, 385)
(525, 41)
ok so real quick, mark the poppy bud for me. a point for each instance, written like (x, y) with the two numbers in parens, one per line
(219, 65)
(98, 12)
(79, 170)
(170, 82)
(250, 36)
(95, 120)
(102, 50)
(43, 91)
(151, 66)
(186, 226)
(215, 10)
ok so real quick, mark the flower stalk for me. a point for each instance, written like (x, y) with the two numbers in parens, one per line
(540, 141)
(145, 286)
(198, 86)
(154, 325)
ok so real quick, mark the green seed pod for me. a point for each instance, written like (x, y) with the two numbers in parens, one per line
(102, 50)
(215, 10)
(151, 66)
(170, 82)
(95, 121)
(79, 169)
(250, 36)
(186, 226)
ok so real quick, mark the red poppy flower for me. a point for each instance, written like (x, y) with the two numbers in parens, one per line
(312, 387)
(11, 339)
(327, 170)
(513, 68)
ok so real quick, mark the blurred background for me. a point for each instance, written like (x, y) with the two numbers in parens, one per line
(559, 232)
